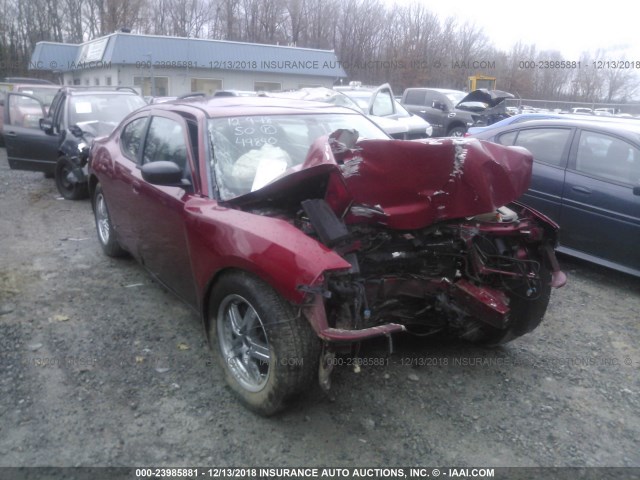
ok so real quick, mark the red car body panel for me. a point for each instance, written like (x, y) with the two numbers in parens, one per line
(273, 249)
(449, 178)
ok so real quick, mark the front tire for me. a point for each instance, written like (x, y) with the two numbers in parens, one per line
(69, 189)
(457, 132)
(104, 227)
(525, 314)
(267, 351)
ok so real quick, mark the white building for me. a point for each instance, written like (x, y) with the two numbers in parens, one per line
(172, 66)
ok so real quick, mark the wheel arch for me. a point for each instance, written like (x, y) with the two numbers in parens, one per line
(215, 280)
(456, 124)
(92, 184)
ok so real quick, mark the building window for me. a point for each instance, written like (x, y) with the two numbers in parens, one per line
(96, 81)
(267, 86)
(87, 82)
(145, 85)
(107, 81)
(205, 85)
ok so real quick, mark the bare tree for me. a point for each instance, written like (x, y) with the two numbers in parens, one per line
(405, 45)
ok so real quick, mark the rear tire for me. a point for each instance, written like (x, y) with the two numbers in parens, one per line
(68, 189)
(267, 351)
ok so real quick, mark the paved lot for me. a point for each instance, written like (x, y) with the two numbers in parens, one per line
(101, 366)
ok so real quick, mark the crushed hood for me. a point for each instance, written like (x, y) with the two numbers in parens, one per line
(482, 98)
(402, 184)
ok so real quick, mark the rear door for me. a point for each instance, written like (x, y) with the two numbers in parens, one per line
(28, 147)
(550, 148)
(601, 199)
(125, 174)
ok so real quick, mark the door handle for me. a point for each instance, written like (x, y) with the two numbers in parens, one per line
(579, 189)
(11, 134)
(136, 186)
(423, 111)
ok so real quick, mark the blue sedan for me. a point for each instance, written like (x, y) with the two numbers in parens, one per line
(586, 177)
(522, 117)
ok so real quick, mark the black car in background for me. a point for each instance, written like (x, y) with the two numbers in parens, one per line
(50, 139)
(586, 177)
(452, 112)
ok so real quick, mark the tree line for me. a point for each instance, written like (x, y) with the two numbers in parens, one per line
(405, 45)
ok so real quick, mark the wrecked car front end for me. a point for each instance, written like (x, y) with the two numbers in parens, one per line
(424, 227)
(429, 232)
(486, 106)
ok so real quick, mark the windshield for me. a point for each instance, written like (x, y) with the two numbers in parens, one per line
(106, 109)
(251, 151)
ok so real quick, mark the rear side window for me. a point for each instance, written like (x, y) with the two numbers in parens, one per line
(608, 157)
(131, 138)
(508, 138)
(546, 144)
(431, 97)
(414, 97)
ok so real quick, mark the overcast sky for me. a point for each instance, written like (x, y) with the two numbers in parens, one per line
(569, 26)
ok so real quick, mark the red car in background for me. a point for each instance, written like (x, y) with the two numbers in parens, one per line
(294, 228)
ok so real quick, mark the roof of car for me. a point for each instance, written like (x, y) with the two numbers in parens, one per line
(79, 90)
(441, 90)
(620, 126)
(234, 106)
(39, 86)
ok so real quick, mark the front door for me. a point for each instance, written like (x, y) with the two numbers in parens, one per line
(28, 147)
(160, 221)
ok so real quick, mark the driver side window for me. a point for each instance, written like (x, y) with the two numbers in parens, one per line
(24, 111)
(166, 142)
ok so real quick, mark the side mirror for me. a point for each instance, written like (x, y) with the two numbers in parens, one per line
(46, 124)
(1, 102)
(76, 130)
(162, 173)
(636, 191)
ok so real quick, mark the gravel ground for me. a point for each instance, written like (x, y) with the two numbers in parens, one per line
(100, 366)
